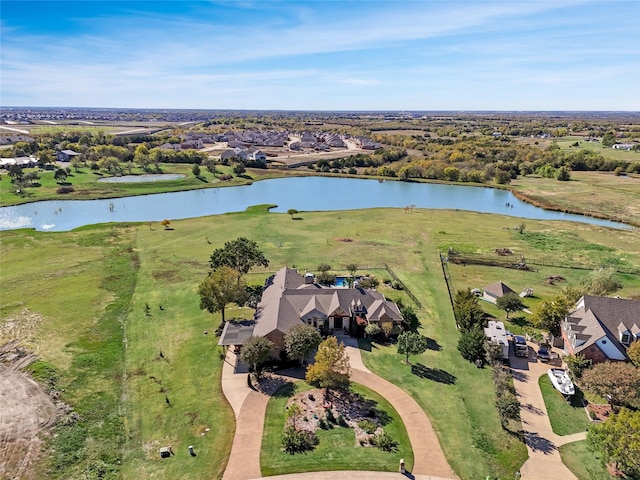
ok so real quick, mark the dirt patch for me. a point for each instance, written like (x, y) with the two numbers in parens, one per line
(599, 413)
(27, 412)
(19, 325)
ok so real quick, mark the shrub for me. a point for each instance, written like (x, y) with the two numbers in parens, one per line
(65, 189)
(372, 329)
(226, 176)
(323, 424)
(384, 442)
(295, 441)
(341, 421)
(330, 416)
(368, 426)
(397, 285)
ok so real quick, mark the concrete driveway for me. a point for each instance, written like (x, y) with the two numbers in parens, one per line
(544, 461)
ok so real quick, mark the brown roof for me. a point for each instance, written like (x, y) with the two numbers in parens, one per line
(498, 289)
(287, 300)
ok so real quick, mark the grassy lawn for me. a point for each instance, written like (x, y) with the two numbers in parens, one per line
(88, 290)
(69, 295)
(337, 449)
(585, 464)
(587, 192)
(566, 417)
(86, 185)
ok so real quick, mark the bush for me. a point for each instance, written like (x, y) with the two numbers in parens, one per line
(295, 441)
(330, 416)
(342, 422)
(372, 329)
(66, 189)
(368, 426)
(397, 285)
(323, 424)
(384, 442)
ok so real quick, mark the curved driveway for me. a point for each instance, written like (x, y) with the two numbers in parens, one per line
(250, 406)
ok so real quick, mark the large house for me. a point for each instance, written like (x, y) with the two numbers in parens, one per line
(601, 328)
(290, 299)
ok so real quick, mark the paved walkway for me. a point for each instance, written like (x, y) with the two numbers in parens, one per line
(544, 461)
(250, 406)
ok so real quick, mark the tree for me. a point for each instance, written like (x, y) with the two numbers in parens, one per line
(292, 212)
(352, 268)
(409, 318)
(577, 364)
(195, 170)
(324, 267)
(387, 328)
(166, 224)
(549, 314)
(618, 440)
(240, 254)
(301, 340)
(331, 368)
(510, 302)
(609, 139)
(239, 169)
(221, 287)
(410, 343)
(563, 174)
(601, 282)
(634, 353)
(618, 381)
(467, 310)
(60, 175)
(471, 344)
(255, 351)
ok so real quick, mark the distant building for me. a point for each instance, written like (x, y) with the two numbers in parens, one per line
(66, 155)
(494, 291)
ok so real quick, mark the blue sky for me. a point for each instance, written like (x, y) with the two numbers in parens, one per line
(322, 55)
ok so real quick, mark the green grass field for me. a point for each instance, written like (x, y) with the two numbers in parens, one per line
(585, 464)
(566, 417)
(87, 291)
(337, 449)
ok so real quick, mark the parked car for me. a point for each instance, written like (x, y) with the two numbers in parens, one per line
(544, 353)
(521, 347)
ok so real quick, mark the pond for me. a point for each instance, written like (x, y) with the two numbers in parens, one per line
(300, 193)
(142, 178)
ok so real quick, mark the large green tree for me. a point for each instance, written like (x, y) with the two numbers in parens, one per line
(467, 310)
(255, 351)
(301, 340)
(221, 287)
(240, 254)
(549, 314)
(410, 343)
(331, 368)
(618, 440)
(471, 344)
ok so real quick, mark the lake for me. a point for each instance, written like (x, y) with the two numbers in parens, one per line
(157, 177)
(300, 193)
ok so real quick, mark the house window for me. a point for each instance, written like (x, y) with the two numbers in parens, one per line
(626, 338)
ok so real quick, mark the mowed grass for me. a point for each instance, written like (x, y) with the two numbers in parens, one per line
(86, 186)
(337, 449)
(604, 193)
(78, 287)
(583, 462)
(566, 416)
(104, 276)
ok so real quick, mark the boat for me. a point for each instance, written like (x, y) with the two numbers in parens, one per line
(561, 381)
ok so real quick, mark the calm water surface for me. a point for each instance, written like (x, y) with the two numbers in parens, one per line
(301, 193)
(157, 177)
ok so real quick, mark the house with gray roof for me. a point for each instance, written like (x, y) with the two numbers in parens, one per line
(291, 299)
(493, 292)
(601, 328)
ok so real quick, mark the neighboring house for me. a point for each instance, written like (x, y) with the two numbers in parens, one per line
(601, 328)
(66, 155)
(496, 332)
(170, 146)
(23, 162)
(494, 291)
(290, 299)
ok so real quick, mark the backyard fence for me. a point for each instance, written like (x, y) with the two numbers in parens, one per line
(404, 287)
(519, 261)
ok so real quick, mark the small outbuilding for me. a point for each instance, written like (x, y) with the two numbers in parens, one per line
(493, 292)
